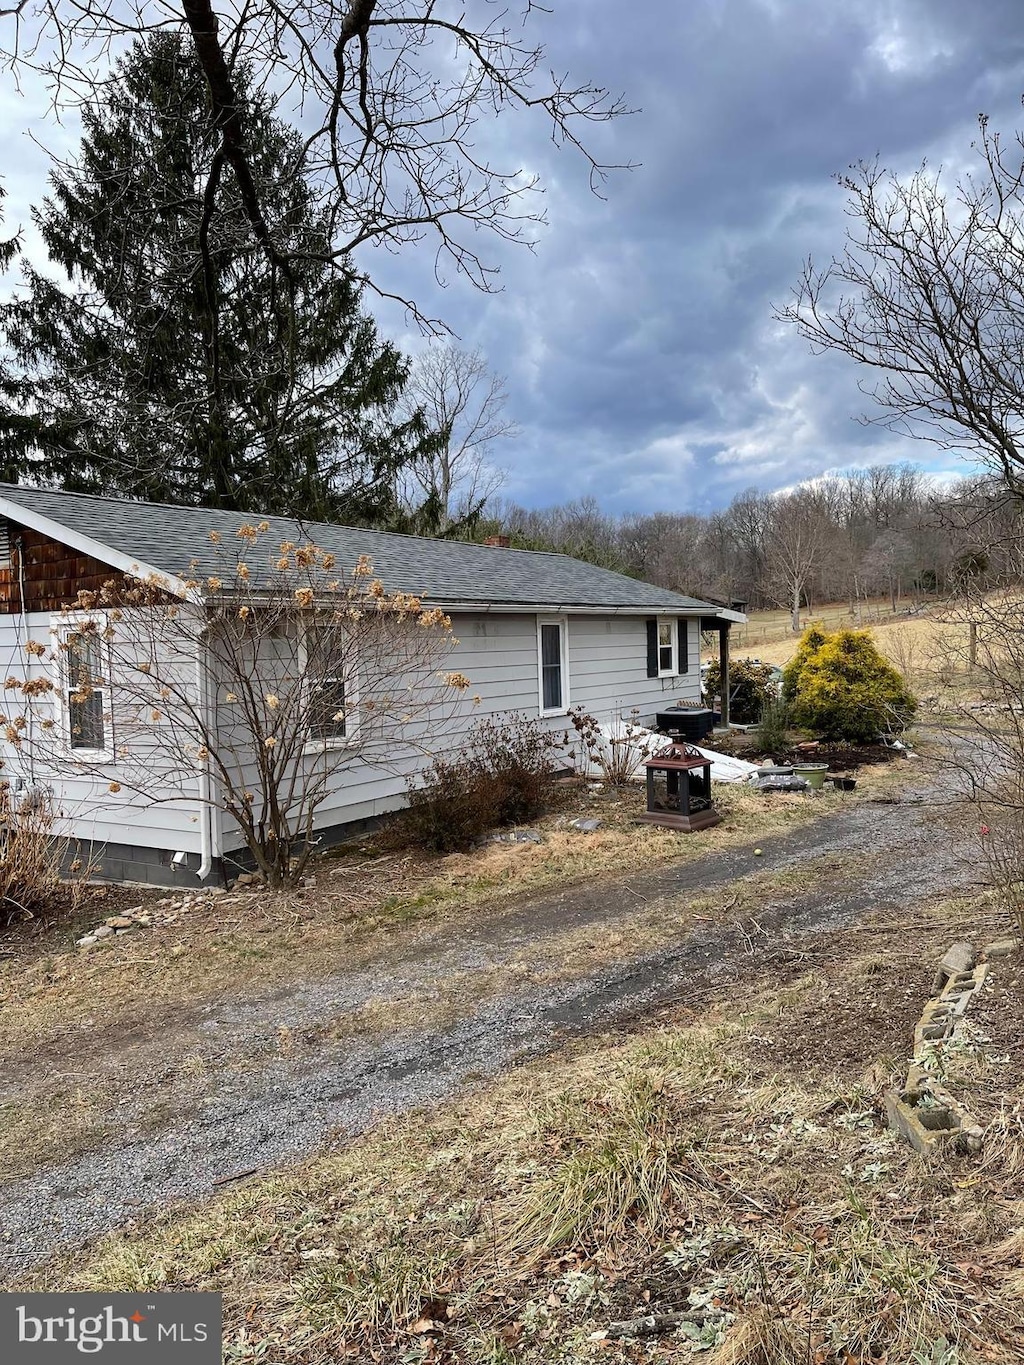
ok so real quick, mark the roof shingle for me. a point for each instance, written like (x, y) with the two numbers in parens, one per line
(447, 572)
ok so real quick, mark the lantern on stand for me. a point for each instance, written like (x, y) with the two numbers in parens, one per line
(679, 790)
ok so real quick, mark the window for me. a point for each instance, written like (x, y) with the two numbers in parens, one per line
(327, 719)
(329, 687)
(552, 639)
(667, 637)
(84, 689)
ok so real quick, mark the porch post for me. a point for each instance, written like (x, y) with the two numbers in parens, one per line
(723, 668)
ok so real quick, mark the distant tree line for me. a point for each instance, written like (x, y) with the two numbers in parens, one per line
(882, 532)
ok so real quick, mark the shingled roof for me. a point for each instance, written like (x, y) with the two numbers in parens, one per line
(447, 572)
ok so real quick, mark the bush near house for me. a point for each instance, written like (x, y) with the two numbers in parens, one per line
(751, 688)
(841, 688)
(504, 773)
(31, 885)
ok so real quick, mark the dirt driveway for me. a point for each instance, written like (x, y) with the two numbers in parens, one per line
(252, 1083)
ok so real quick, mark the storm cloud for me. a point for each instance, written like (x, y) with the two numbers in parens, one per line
(642, 360)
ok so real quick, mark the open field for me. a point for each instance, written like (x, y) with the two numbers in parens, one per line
(765, 628)
(930, 652)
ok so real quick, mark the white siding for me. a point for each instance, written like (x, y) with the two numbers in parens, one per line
(165, 816)
(498, 653)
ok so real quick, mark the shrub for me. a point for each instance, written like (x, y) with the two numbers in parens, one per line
(452, 809)
(617, 751)
(751, 687)
(503, 773)
(771, 728)
(518, 760)
(30, 859)
(810, 642)
(846, 690)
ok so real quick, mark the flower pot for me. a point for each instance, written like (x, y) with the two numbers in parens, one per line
(813, 773)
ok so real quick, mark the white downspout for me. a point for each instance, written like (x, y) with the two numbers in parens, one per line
(207, 833)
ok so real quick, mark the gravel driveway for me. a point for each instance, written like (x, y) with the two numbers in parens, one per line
(280, 1107)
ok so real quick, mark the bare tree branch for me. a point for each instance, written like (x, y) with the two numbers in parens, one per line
(397, 95)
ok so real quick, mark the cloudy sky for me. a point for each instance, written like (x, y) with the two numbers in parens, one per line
(641, 358)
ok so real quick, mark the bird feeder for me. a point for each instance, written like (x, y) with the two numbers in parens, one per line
(679, 790)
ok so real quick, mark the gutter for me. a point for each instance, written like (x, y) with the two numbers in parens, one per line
(574, 609)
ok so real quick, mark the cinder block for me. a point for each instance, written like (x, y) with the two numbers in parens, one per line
(958, 957)
(1002, 947)
(923, 1128)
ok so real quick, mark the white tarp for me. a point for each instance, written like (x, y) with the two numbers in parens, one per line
(724, 768)
(622, 744)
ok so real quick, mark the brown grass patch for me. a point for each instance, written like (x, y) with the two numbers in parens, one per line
(678, 1168)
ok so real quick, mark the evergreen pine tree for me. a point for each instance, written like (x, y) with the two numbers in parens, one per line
(175, 361)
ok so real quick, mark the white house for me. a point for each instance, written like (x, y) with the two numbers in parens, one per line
(537, 633)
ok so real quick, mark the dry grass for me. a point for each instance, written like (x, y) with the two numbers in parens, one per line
(47, 1126)
(929, 651)
(676, 1169)
(765, 629)
(156, 984)
(915, 644)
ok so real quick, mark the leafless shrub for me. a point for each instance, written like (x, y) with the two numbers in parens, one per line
(503, 774)
(31, 856)
(616, 752)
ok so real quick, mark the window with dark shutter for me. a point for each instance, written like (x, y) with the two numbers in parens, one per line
(652, 647)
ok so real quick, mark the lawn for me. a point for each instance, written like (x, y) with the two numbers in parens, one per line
(77, 1024)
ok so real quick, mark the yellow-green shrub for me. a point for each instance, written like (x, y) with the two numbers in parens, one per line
(845, 689)
(810, 642)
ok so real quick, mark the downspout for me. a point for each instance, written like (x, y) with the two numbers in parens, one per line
(208, 841)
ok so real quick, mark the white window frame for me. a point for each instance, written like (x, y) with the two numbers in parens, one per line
(673, 634)
(562, 622)
(61, 628)
(326, 743)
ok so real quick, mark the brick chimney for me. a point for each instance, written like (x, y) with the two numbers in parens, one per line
(499, 542)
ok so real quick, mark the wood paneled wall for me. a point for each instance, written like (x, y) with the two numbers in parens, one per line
(53, 573)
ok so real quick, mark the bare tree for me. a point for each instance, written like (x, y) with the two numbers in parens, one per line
(794, 546)
(251, 688)
(929, 294)
(987, 735)
(462, 403)
(395, 95)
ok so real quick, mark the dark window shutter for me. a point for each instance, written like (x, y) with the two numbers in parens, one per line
(652, 647)
(682, 649)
